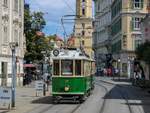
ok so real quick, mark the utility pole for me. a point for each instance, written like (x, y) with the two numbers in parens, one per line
(13, 46)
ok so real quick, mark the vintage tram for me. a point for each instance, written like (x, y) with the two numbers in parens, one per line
(72, 74)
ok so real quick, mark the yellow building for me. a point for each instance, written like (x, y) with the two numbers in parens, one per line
(126, 32)
(83, 26)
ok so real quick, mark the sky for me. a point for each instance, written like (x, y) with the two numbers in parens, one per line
(53, 11)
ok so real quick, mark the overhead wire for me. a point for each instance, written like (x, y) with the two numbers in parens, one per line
(67, 4)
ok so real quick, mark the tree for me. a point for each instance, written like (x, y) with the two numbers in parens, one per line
(143, 53)
(33, 25)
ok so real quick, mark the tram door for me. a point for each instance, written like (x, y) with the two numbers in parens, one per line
(4, 74)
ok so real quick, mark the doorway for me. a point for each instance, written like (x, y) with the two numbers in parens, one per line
(4, 73)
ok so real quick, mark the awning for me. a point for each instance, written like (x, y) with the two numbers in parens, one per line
(29, 65)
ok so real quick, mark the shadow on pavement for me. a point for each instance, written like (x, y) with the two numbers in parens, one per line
(43, 100)
(4, 110)
(116, 79)
(48, 100)
(138, 96)
(24, 96)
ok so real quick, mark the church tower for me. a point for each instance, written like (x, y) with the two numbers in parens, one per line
(83, 26)
(84, 8)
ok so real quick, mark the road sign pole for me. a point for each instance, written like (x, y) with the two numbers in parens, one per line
(13, 77)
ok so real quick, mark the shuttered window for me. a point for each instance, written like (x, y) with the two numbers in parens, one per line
(16, 5)
(5, 34)
(6, 3)
(135, 23)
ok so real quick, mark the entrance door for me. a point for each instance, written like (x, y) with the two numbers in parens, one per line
(4, 74)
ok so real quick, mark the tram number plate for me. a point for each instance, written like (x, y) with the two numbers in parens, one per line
(39, 85)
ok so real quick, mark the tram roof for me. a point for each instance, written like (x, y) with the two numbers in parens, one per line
(71, 54)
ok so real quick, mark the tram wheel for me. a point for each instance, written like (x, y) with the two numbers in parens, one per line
(54, 100)
(82, 99)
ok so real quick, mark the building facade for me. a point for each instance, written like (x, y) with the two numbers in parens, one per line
(126, 34)
(145, 28)
(101, 34)
(11, 28)
(83, 27)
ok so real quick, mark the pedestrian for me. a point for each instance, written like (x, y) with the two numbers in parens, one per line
(116, 72)
(105, 71)
(113, 72)
(142, 73)
(24, 79)
(137, 74)
(109, 72)
(48, 81)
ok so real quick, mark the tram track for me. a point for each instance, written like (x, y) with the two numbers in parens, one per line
(104, 100)
(76, 108)
(44, 108)
(40, 109)
(123, 95)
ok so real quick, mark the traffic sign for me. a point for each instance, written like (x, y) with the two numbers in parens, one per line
(5, 96)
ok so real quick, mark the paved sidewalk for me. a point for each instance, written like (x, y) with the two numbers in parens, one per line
(115, 80)
(24, 100)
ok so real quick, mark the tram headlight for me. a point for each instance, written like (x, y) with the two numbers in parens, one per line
(66, 88)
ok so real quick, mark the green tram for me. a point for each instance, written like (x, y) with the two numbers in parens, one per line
(72, 75)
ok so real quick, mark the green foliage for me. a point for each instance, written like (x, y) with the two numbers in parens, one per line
(38, 21)
(34, 23)
(143, 52)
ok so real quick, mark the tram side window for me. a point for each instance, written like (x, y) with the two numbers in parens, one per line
(56, 67)
(87, 68)
(93, 68)
(67, 67)
(78, 67)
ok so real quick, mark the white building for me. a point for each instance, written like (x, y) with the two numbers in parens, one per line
(11, 29)
(102, 31)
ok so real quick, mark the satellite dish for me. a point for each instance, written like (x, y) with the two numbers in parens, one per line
(56, 52)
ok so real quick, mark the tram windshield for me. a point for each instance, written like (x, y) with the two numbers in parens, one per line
(67, 67)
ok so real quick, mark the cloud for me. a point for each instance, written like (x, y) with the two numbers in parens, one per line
(54, 10)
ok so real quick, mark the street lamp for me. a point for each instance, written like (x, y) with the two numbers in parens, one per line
(129, 67)
(13, 46)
